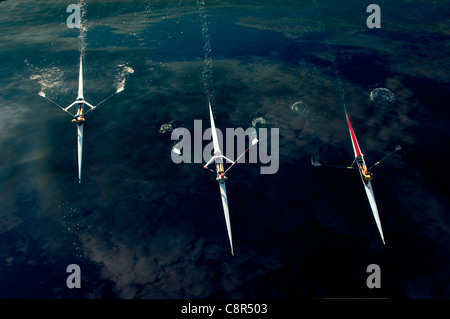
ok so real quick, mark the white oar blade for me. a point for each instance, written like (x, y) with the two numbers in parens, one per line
(176, 151)
(223, 195)
(315, 162)
(42, 94)
(120, 89)
(254, 141)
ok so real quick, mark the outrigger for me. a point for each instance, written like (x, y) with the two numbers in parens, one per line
(221, 178)
(366, 176)
(78, 117)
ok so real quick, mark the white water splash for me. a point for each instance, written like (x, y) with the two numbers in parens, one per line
(50, 77)
(122, 73)
(301, 108)
(258, 122)
(166, 128)
(382, 95)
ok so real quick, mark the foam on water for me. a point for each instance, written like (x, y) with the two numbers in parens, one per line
(166, 128)
(47, 77)
(75, 223)
(207, 72)
(122, 73)
(259, 122)
(382, 95)
(83, 28)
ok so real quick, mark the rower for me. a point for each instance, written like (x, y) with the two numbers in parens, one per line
(221, 177)
(367, 175)
(220, 173)
(78, 118)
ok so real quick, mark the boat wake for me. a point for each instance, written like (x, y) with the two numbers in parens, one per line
(309, 122)
(207, 72)
(83, 28)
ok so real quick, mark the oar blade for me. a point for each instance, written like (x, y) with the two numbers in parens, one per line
(315, 162)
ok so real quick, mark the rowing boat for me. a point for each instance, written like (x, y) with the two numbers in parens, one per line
(361, 164)
(218, 159)
(79, 104)
(221, 178)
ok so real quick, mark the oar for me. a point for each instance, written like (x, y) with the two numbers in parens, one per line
(118, 91)
(253, 143)
(315, 162)
(206, 167)
(51, 101)
(397, 148)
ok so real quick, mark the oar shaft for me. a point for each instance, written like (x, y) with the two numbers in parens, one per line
(315, 162)
(236, 160)
(53, 102)
(338, 166)
(390, 154)
(106, 99)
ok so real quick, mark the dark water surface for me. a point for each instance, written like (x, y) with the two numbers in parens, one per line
(141, 226)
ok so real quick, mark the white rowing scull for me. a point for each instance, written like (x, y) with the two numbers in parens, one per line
(221, 178)
(78, 117)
